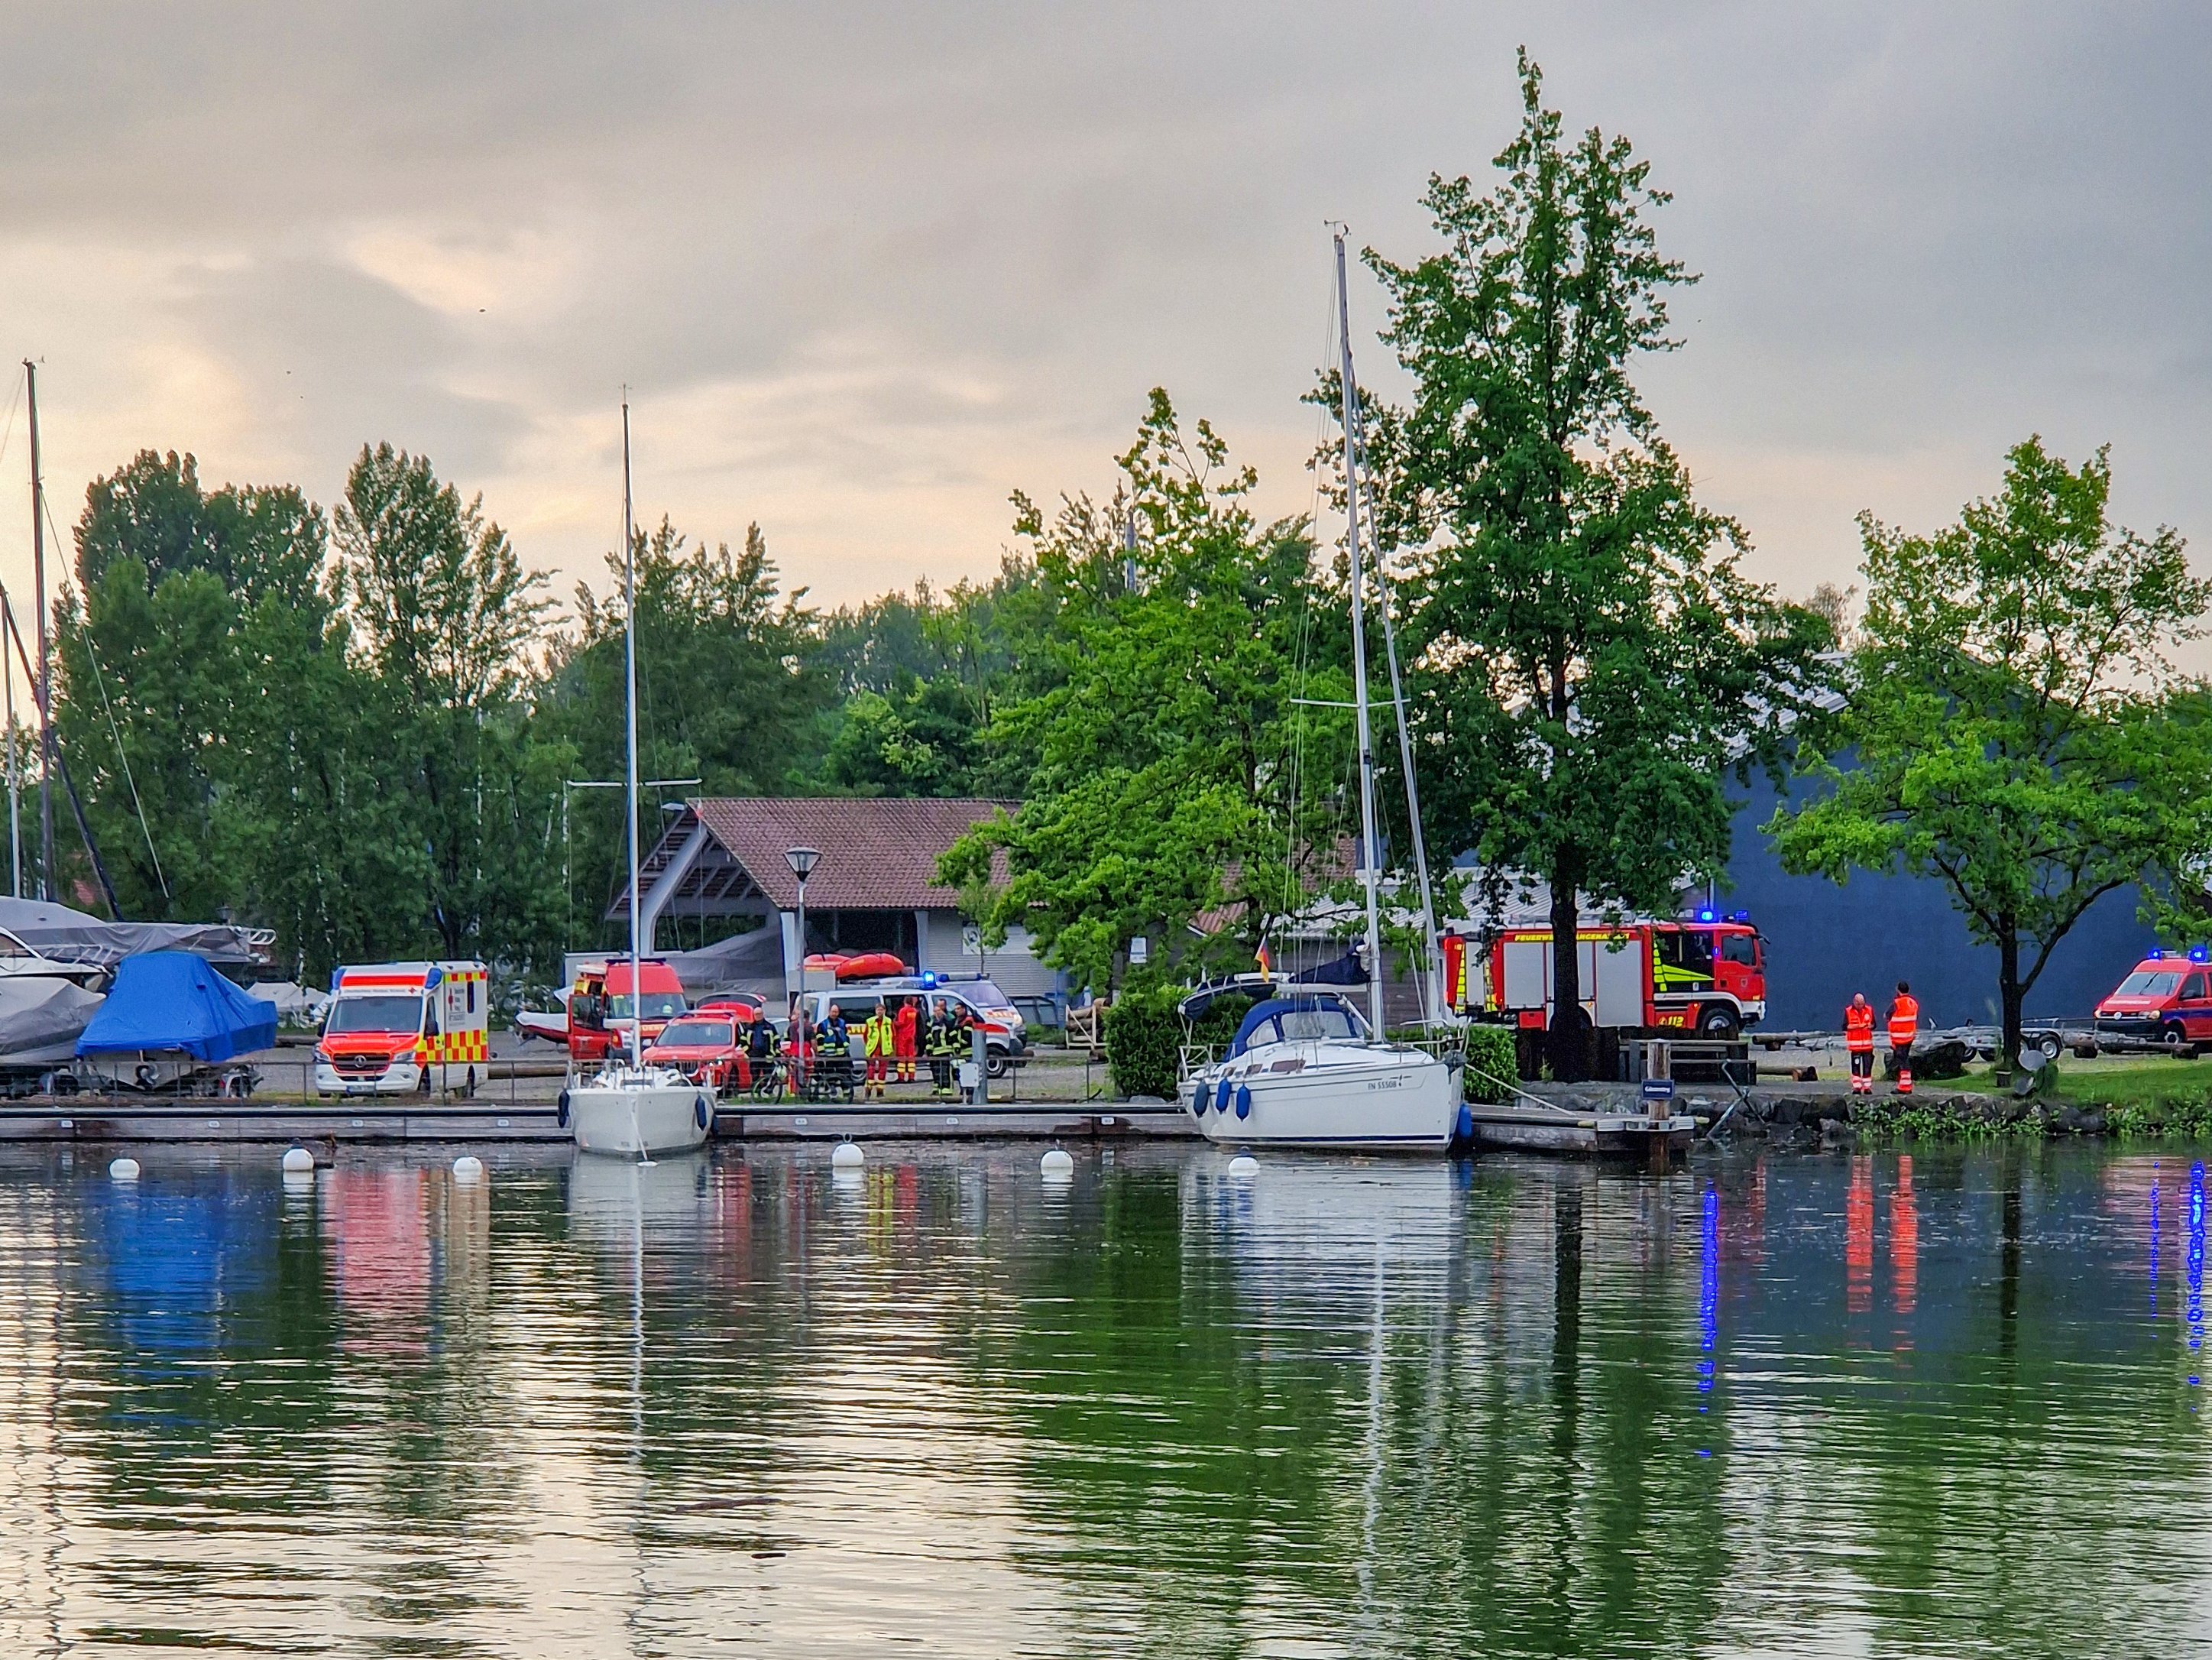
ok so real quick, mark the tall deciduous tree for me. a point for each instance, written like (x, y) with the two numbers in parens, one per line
(1166, 772)
(2007, 731)
(1590, 659)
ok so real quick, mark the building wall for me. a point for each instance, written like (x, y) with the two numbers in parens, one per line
(1825, 941)
(1013, 966)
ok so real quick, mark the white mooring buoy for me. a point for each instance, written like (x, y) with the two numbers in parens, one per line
(1057, 1166)
(1243, 1164)
(123, 1169)
(468, 1168)
(846, 1157)
(298, 1158)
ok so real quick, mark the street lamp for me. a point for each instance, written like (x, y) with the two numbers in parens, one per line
(802, 862)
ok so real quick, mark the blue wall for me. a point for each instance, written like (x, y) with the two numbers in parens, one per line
(1825, 942)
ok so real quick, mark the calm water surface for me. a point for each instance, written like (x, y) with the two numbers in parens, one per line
(1937, 1405)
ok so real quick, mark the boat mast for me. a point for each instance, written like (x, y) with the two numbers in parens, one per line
(1369, 854)
(44, 689)
(14, 784)
(629, 671)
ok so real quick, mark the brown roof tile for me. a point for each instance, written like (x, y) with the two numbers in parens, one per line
(878, 854)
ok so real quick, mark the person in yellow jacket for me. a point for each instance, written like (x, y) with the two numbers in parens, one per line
(876, 1037)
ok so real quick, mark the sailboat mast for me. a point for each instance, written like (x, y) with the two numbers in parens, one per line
(629, 673)
(44, 689)
(14, 788)
(1369, 854)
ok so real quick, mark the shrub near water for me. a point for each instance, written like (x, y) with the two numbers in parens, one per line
(1145, 1039)
(1491, 1065)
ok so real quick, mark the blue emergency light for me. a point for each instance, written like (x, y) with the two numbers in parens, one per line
(929, 979)
(2156, 955)
(1705, 916)
(2199, 954)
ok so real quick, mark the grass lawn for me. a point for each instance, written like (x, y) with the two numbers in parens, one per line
(2127, 1081)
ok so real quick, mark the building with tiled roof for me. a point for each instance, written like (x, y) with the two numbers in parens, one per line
(872, 889)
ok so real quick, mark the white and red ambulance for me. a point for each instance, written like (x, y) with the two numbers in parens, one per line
(396, 1028)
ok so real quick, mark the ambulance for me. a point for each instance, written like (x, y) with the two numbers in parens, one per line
(402, 1028)
(1703, 974)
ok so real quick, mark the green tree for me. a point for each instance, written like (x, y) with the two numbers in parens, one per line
(441, 612)
(1589, 659)
(2005, 731)
(1166, 772)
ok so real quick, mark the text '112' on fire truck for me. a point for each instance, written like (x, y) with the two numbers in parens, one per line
(1705, 973)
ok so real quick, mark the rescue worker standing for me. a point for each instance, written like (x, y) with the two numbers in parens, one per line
(943, 1036)
(876, 1037)
(1858, 1039)
(1904, 1027)
(903, 1022)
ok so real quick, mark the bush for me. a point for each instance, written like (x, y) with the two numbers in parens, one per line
(1492, 1067)
(1143, 1044)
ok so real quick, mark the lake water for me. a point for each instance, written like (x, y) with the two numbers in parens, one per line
(1816, 1404)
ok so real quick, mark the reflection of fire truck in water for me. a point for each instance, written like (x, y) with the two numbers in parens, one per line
(1706, 973)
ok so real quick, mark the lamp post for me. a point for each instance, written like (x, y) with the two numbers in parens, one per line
(802, 862)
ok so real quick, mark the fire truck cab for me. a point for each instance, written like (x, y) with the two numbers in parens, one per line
(601, 1007)
(393, 1028)
(1704, 973)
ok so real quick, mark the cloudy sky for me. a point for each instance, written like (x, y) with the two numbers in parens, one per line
(868, 268)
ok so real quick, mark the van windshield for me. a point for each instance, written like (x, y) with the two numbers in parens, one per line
(2149, 982)
(659, 1005)
(388, 1013)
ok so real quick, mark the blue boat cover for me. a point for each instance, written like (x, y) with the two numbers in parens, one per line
(1306, 1003)
(172, 1000)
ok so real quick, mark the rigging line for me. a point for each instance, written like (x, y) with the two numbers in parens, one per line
(145, 829)
(12, 407)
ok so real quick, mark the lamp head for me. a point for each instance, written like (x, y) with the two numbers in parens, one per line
(802, 862)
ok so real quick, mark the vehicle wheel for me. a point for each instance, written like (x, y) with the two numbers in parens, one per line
(2049, 1044)
(2085, 1051)
(1718, 1020)
(469, 1089)
(2177, 1044)
(998, 1063)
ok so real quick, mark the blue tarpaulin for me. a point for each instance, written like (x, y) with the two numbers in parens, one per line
(173, 1001)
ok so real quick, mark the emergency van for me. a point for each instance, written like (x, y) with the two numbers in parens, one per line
(601, 1007)
(1705, 973)
(396, 1028)
(2164, 1004)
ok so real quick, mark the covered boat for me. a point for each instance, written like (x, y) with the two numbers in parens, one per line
(170, 1014)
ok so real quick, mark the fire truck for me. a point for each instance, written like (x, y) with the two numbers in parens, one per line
(1704, 973)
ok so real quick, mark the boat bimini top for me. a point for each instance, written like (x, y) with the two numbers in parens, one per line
(1312, 1017)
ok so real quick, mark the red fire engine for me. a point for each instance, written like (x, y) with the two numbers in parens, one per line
(1705, 973)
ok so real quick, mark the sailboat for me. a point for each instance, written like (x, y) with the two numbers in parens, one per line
(1307, 1068)
(631, 1109)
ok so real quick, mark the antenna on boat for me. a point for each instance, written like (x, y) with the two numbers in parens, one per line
(1369, 854)
(629, 672)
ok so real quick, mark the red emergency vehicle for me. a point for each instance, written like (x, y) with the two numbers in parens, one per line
(1704, 973)
(601, 1007)
(2165, 1003)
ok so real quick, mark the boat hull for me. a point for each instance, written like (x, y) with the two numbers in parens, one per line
(638, 1120)
(1376, 1101)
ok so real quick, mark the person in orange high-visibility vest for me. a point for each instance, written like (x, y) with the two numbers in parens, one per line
(904, 1033)
(1904, 1027)
(1858, 1039)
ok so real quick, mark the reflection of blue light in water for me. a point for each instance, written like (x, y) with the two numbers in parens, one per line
(2195, 1257)
(1708, 1291)
(2153, 1238)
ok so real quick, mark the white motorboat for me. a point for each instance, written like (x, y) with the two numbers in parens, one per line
(1306, 1071)
(638, 1111)
(629, 1108)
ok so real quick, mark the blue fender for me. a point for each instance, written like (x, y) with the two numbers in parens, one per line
(1221, 1097)
(1243, 1101)
(1197, 1099)
(561, 1117)
(702, 1112)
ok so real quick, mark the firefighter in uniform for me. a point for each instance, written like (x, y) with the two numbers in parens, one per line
(1858, 1039)
(876, 1037)
(1904, 1026)
(904, 1023)
(943, 1038)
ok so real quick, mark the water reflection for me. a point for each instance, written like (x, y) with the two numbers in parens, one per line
(1814, 1404)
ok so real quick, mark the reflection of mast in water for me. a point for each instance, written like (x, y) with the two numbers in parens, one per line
(1373, 1507)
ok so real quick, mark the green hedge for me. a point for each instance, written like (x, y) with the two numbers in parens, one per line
(1490, 1064)
(1143, 1039)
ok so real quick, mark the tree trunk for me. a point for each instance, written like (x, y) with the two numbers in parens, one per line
(1570, 1052)
(2010, 994)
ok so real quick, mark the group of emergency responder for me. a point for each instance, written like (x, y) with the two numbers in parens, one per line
(897, 1034)
(1902, 1027)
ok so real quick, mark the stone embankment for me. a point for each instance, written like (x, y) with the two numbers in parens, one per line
(1814, 1115)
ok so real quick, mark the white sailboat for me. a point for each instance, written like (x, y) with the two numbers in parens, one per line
(1306, 1069)
(631, 1109)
